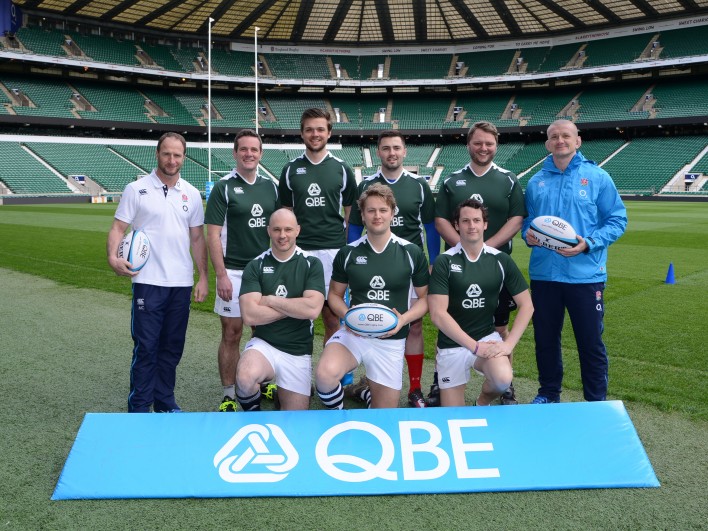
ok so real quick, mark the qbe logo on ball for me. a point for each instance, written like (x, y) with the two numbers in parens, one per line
(370, 319)
(554, 233)
(135, 248)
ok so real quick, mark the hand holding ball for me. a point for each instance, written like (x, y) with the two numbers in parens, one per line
(371, 320)
(554, 233)
(135, 248)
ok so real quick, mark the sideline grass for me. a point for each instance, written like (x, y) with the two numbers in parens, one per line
(653, 330)
(65, 352)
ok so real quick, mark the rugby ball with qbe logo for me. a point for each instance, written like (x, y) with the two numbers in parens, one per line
(554, 233)
(135, 248)
(370, 319)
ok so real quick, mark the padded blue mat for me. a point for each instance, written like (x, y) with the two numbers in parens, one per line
(355, 452)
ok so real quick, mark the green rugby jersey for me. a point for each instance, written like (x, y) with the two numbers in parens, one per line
(269, 276)
(384, 278)
(473, 288)
(242, 210)
(498, 189)
(415, 206)
(317, 193)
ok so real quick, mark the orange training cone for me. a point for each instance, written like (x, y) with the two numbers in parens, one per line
(670, 278)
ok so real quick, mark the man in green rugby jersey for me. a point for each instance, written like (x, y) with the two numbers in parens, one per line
(413, 220)
(320, 189)
(236, 218)
(499, 190)
(282, 292)
(464, 291)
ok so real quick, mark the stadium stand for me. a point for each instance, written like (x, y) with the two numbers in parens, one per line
(95, 161)
(42, 41)
(603, 104)
(176, 112)
(107, 49)
(411, 67)
(187, 57)
(274, 160)
(368, 66)
(599, 149)
(616, 51)
(349, 64)
(533, 58)
(162, 56)
(649, 163)
(419, 112)
(288, 109)
(492, 63)
(558, 57)
(298, 66)
(24, 174)
(351, 154)
(232, 63)
(488, 107)
(113, 102)
(236, 110)
(49, 98)
(684, 42)
(525, 159)
(680, 98)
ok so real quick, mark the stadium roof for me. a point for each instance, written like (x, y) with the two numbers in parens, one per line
(370, 22)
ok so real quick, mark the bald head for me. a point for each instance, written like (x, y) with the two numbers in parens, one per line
(283, 231)
(282, 215)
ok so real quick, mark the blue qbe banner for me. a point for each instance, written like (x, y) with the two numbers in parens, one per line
(357, 452)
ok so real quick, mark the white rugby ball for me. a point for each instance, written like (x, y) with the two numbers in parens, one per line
(369, 319)
(135, 248)
(554, 233)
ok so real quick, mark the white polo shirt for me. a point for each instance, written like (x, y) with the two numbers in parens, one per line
(166, 220)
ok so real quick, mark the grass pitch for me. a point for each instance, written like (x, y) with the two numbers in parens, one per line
(65, 349)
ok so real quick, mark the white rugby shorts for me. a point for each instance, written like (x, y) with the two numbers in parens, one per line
(454, 364)
(230, 308)
(382, 358)
(293, 373)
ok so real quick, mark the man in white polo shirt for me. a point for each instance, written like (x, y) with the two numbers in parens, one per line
(169, 210)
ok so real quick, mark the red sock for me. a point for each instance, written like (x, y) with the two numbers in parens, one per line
(415, 369)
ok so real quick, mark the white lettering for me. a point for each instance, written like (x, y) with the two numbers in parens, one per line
(369, 470)
(257, 222)
(473, 303)
(431, 446)
(315, 201)
(460, 449)
(378, 295)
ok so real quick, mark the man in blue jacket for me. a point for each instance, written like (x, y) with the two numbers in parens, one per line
(573, 188)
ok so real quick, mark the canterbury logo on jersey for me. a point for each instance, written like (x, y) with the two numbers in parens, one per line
(456, 268)
(268, 269)
(361, 260)
(301, 171)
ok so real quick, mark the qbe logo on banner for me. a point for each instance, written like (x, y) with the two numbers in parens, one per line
(356, 452)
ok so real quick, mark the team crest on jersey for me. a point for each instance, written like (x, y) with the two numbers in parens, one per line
(377, 291)
(477, 197)
(301, 171)
(377, 282)
(361, 260)
(474, 290)
(456, 268)
(185, 199)
(460, 182)
(583, 182)
(281, 291)
(314, 189)
(268, 269)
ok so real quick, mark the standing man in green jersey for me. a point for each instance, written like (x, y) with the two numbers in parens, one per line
(464, 290)
(414, 221)
(498, 190)
(320, 189)
(236, 218)
(282, 292)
